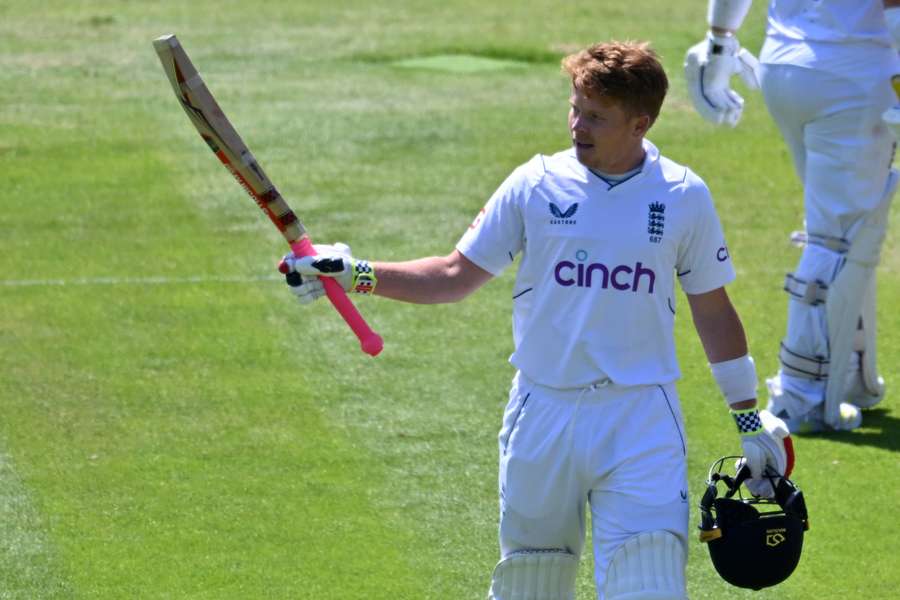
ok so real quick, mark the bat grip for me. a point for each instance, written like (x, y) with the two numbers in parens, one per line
(370, 341)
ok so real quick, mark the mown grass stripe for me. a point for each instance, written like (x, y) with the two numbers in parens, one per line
(29, 567)
(217, 441)
(138, 280)
(459, 63)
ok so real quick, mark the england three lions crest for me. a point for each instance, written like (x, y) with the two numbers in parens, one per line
(656, 221)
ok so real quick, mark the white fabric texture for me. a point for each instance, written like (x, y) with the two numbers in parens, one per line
(619, 449)
(892, 19)
(846, 301)
(842, 153)
(844, 37)
(727, 14)
(736, 378)
(303, 266)
(648, 566)
(765, 449)
(807, 330)
(708, 68)
(599, 258)
(535, 575)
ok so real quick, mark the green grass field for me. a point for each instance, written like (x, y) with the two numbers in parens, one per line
(174, 425)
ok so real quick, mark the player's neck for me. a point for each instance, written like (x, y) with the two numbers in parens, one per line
(620, 164)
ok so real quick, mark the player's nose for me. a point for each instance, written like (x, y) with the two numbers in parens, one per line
(576, 125)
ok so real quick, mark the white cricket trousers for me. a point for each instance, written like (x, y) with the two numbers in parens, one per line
(619, 449)
(842, 150)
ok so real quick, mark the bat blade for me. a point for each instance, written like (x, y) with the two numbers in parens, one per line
(218, 133)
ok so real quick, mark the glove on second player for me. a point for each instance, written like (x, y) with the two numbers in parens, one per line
(708, 68)
(302, 272)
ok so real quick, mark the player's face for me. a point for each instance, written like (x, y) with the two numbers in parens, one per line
(606, 138)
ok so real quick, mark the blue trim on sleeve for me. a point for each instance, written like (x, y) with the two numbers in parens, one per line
(522, 293)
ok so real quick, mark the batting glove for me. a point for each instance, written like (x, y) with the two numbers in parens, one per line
(302, 272)
(768, 449)
(708, 68)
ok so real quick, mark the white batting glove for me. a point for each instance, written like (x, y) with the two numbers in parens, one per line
(302, 272)
(708, 67)
(767, 447)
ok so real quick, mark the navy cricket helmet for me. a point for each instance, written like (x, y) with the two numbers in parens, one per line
(753, 542)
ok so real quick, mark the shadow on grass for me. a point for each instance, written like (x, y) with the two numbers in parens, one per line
(523, 54)
(879, 429)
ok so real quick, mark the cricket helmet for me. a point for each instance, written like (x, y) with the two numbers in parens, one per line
(753, 542)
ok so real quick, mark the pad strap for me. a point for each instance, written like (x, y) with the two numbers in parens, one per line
(806, 367)
(813, 293)
(837, 245)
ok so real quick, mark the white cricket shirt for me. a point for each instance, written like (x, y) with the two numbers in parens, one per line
(594, 295)
(839, 36)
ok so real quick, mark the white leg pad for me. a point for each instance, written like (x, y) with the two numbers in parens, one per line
(806, 338)
(648, 566)
(869, 364)
(535, 575)
(846, 298)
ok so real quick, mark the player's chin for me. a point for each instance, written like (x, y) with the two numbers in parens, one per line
(584, 152)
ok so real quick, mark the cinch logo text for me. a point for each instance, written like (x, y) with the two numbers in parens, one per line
(722, 254)
(621, 278)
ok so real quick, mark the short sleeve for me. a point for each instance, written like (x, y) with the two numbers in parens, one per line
(498, 232)
(704, 263)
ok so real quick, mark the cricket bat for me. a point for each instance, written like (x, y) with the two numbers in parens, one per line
(216, 130)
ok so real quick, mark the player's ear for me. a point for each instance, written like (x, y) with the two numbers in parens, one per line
(640, 125)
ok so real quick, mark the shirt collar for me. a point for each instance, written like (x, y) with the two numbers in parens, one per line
(651, 158)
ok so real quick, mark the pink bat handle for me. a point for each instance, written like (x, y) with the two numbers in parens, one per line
(370, 341)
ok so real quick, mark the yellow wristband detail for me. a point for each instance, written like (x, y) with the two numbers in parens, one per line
(748, 421)
(364, 280)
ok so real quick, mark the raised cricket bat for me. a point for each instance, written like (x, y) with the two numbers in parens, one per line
(224, 141)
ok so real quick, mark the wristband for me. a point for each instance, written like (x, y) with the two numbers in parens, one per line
(892, 16)
(727, 14)
(736, 378)
(748, 421)
(364, 279)
(722, 45)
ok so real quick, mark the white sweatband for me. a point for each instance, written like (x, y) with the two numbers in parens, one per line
(892, 16)
(727, 14)
(736, 378)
